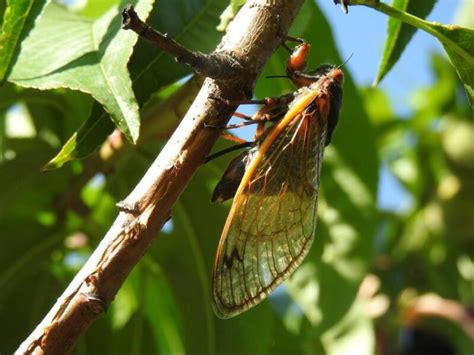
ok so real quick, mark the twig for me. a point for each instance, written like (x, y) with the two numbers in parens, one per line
(217, 65)
(251, 38)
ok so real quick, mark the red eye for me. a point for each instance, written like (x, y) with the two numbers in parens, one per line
(337, 75)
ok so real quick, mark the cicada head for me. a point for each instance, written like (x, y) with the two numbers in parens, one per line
(336, 77)
(329, 79)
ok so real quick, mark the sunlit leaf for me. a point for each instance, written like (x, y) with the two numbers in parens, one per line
(463, 14)
(83, 142)
(459, 44)
(377, 105)
(95, 9)
(17, 23)
(69, 51)
(152, 69)
(160, 116)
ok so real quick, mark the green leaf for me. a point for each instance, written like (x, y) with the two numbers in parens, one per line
(159, 117)
(377, 105)
(400, 34)
(464, 14)
(435, 99)
(164, 110)
(92, 133)
(95, 9)
(193, 25)
(458, 42)
(196, 305)
(68, 51)
(18, 174)
(18, 21)
(47, 110)
(3, 6)
(29, 245)
(24, 272)
(161, 311)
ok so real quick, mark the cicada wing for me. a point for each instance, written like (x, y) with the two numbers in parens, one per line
(272, 221)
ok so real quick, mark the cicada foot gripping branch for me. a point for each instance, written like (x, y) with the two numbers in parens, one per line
(275, 184)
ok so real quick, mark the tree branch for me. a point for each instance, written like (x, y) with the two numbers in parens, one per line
(250, 39)
(217, 65)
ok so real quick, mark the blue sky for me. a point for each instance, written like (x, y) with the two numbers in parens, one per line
(363, 32)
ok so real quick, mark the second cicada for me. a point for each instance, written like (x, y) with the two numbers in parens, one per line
(275, 183)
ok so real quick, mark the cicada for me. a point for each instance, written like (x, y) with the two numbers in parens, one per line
(275, 183)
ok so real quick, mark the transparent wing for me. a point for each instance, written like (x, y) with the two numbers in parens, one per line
(272, 221)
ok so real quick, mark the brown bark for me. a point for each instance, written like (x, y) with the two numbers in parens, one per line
(250, 39)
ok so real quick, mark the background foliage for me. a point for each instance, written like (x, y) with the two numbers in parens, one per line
(51, 221)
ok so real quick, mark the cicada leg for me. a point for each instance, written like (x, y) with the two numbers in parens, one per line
(228, 150)
(274, 109)
(286, 38)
